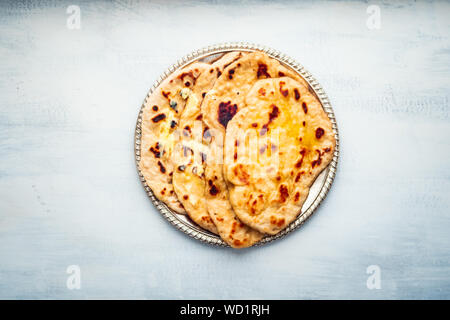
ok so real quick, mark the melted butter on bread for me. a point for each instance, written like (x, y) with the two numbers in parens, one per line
(268, 191)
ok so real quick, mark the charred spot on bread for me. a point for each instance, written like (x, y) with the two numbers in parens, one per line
(156, 150)
(262, 71)
(305, 108)
(318, 161)
(230, 74)
(284, 92)
(206, 219)
(284, 193)
(165, 94)
(181, 168)
(262, 91)
(277, 222)
(272, 115)
(173, 124)
(186, 74)
(281, 74)
(158, 117)
(213, 190)
(296, 94)
(299, 162)
(226, 112)
(161, 167)
(319, 132)
(185, 197)
(155, 108)
(255, 204)
(298, 176)
(233, 227)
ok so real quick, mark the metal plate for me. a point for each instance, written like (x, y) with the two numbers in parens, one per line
(321, 185)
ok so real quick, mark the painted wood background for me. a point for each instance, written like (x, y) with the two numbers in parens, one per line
(69, 192)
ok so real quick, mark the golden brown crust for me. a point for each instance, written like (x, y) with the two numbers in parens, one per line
(220, 105)
(160, 117)
(189, 157)
(275, 148)
(183, 145)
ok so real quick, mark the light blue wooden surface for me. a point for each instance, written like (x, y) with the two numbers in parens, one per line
(69, 192)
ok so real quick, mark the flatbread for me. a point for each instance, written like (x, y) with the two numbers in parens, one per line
(190, 155)
(160, 118)
(220, 104)
(274, 150)
(240, 197)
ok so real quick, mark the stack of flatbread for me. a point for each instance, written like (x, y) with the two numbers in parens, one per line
(235, 144)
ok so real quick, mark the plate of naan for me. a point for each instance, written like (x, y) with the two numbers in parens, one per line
(236, 144)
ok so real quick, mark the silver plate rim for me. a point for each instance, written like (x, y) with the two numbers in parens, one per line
(203, 235)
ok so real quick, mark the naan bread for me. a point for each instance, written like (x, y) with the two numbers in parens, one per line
(275, 149)
(220, 105)
(190, 153)
(159, 124)
(184, 123)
